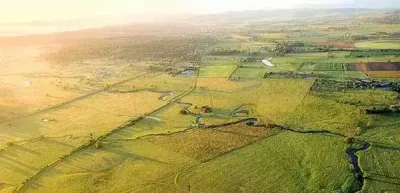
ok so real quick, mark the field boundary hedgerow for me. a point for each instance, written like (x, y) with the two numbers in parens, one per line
(102, 137)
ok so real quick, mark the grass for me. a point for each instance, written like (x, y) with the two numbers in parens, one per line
(153, 159)
(160, 161)
(292, 62)
(223, 85)
(83, 117)
(217, 71)
(272, 36)
(166, 120)
(321, 114)
(355, 74)
(240, 37)
(287, 162)
(118, 166)
(379, 44)
(384, 130)
(18, 98)
(169, 151)
(249, 73)
(156, 82)
(366, 98)
(273, 98)
(330, 67)
(22, 160)
(380, 163)
(383, 74)
(203, 145)
(243, 129)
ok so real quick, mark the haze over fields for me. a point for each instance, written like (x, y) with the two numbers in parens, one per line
(20, 17)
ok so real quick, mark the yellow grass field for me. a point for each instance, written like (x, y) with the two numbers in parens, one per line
(22, 160)
(240, 37)
(383, 74)
(223, 85)
(166, 120)
(156, 82)
(22, 95)
(188, 104)
(273, 98)
(73, 124)
(84, 117)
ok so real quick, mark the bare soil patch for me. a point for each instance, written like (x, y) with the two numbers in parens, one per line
(374, 66)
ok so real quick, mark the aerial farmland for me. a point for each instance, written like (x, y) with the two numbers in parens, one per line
(263, 104)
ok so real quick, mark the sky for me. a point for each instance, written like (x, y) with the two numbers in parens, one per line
(52, 10)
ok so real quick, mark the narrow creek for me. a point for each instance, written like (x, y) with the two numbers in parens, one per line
(351, 151)
(354, 159)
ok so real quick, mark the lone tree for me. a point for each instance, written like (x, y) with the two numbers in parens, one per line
(184, 112)
(97, 144)
(348, 139)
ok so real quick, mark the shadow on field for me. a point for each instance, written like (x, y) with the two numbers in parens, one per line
(18, 162)
(382, 146)
(396, 178)
(35, 184)
(58, 143)
(142, 125)
(131, 155)
(384, 181)
(27, 150)
(16, 168)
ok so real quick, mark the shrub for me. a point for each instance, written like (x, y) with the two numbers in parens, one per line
(348, 140)
(369, 124)
(184, 112)
(97, 144)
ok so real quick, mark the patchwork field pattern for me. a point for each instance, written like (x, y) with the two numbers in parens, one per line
(239, 102)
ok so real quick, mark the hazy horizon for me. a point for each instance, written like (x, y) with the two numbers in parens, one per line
(21, 11)
(23, 17)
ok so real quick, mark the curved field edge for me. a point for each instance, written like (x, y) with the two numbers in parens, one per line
(278, 159)
(277, 164)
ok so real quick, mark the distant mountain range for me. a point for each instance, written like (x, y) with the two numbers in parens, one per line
(41, 27)
(373, 4)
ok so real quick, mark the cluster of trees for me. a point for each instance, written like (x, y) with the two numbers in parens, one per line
(167, 51)
(230, 51)
(340, 28)
(225, 51)
(387, 18)
(359, 37)
(282, 48)
(248, 59)
(373, 53)
(288, 74)
(396, 86)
